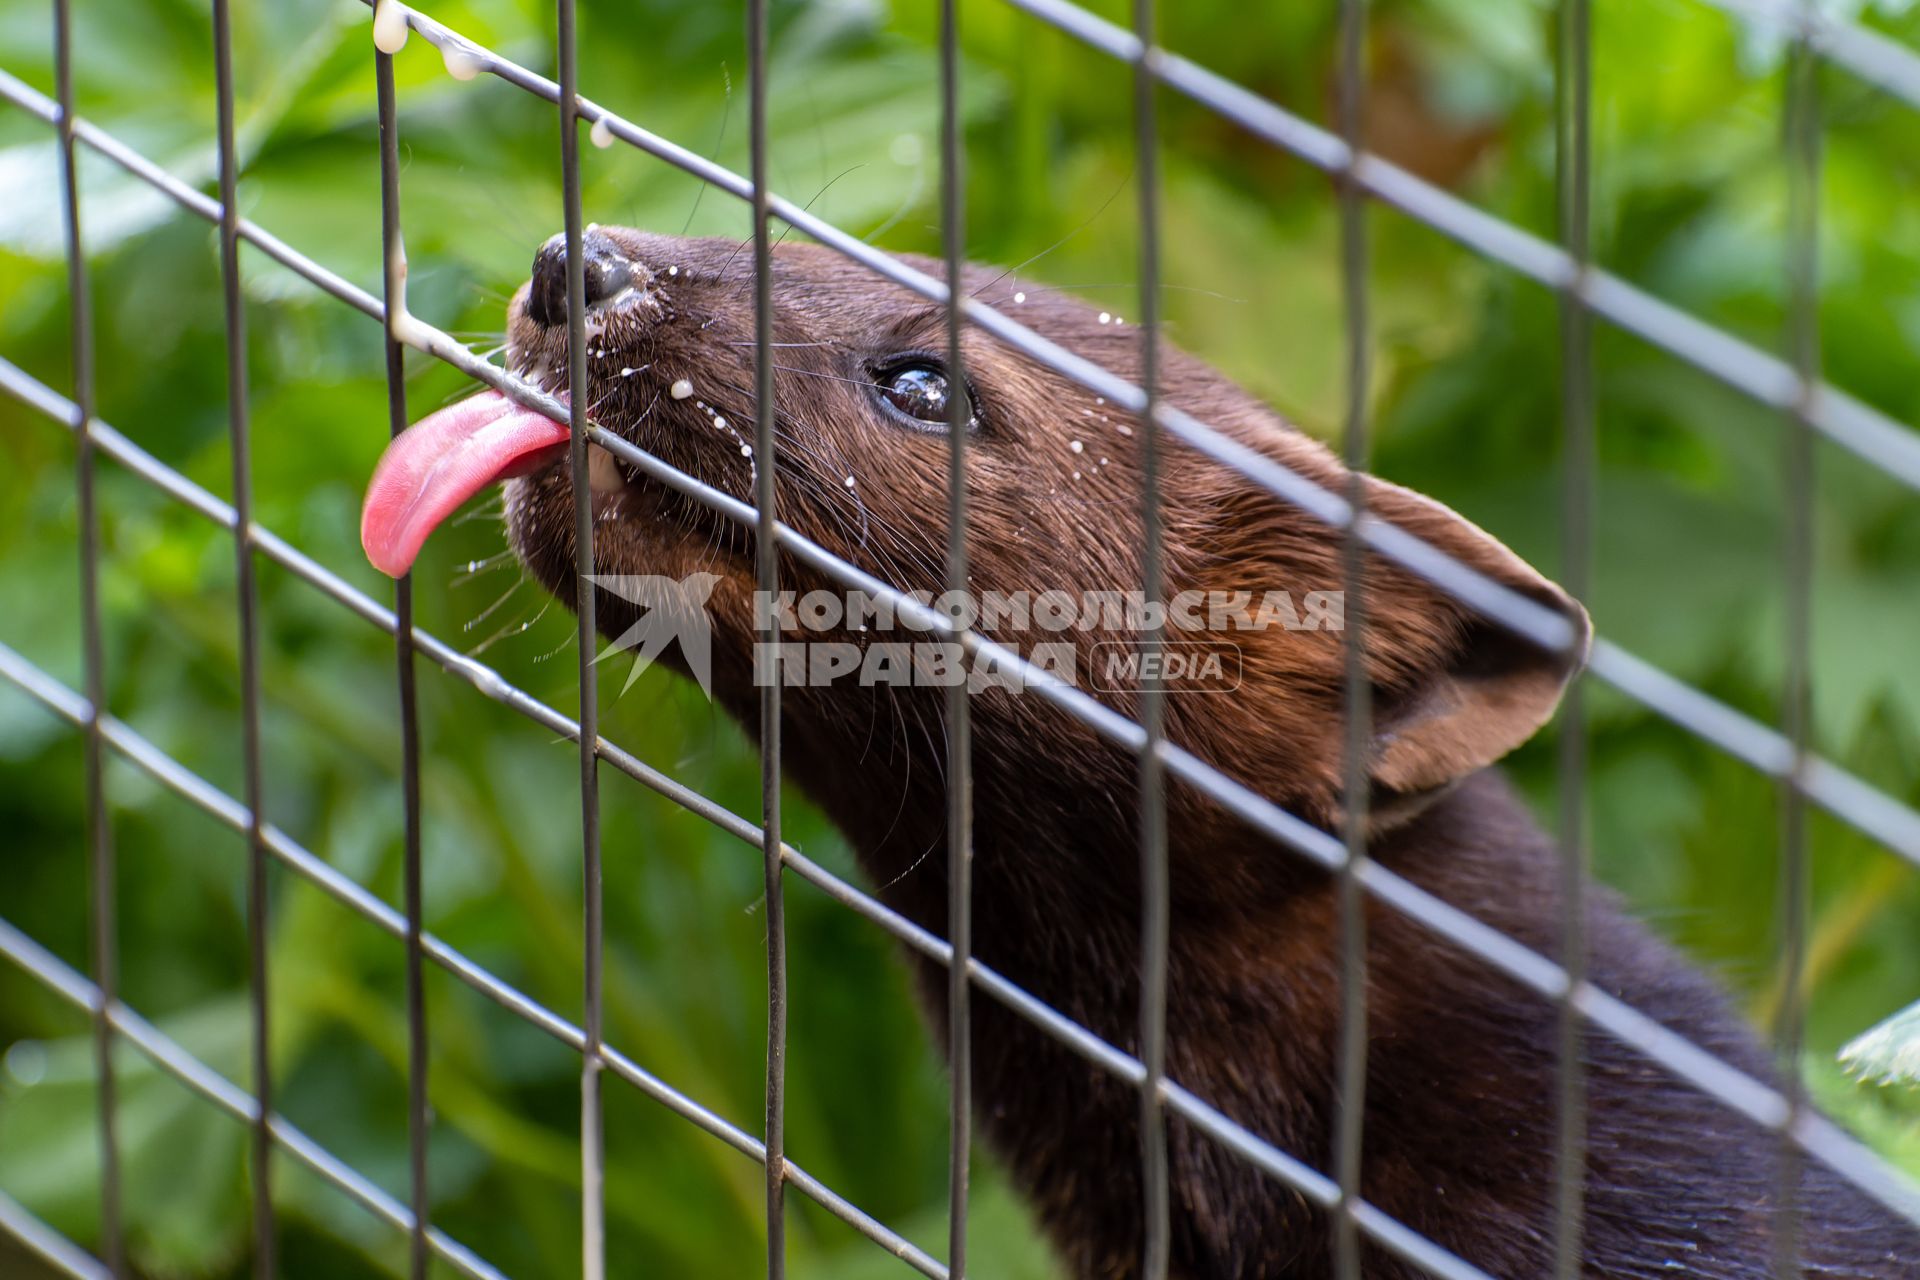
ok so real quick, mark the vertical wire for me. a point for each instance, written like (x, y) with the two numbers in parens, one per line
(393, 253)
(1350, 1117)
(249, 597)
(1573, 157)
(959, 713)
(99, 833)
(768, 573)
(593, 1233)
(1156, 912)
(1802, 141)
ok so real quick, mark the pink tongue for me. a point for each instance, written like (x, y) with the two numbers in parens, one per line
(441, 461)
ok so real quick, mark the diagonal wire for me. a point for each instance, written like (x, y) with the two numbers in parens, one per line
(72, 708)
(1841, 793)
(1751, 1098)
(1866, 53)
(1892, 446)
(173, 1060)
(1733, 1088)
(1686, 705)
(47, 1244)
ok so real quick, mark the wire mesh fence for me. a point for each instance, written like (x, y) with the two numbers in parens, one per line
(1793, 385)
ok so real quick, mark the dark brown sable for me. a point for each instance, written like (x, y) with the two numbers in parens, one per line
(1460, 1118)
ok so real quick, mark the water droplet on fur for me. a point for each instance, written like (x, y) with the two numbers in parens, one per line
(1077, 446)
(1020, 297)
(850, 485)
(681, 389)
(1106, 317)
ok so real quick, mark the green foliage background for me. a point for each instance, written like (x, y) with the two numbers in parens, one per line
(1689, 204)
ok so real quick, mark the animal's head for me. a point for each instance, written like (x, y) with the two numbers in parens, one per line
(1054, 483)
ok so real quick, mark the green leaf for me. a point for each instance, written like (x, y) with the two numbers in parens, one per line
(1889, 1052)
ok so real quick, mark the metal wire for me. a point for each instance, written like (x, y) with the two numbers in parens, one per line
(959, 709)
(1350, 1089)
(247, 589)
(166, 1054)
(1802, 144)
(1751, 1098)
(393, 253)
(1888, 444)
(73, 708)
(767, 575)
(1845, 44)
(1156, 925)
(1790, 385)
(47, 1244)
(593, 1211)
(1845, 796)
(101, 872)
(1573, 152)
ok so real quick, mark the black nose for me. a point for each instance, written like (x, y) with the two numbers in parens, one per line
(607, 274)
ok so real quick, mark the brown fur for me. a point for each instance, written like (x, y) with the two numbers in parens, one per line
(1460, 1117)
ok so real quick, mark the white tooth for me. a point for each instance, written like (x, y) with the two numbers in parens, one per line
(603, 473)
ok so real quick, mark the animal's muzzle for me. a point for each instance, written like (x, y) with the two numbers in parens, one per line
(608, 275)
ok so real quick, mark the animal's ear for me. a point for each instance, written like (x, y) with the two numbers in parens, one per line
(1454, 690)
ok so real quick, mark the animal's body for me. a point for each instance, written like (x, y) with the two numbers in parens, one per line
(1461, 1096)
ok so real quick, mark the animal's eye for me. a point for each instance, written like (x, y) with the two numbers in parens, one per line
(916, 390)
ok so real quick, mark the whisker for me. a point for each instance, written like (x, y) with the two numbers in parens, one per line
(494, 608)
(1125, 183)
(726, 114)
(750, 343)
(832, 377)
(906, 206)
(478, 568)
(485, 511)
(783, 235)
(560, 648)
(511, 629)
